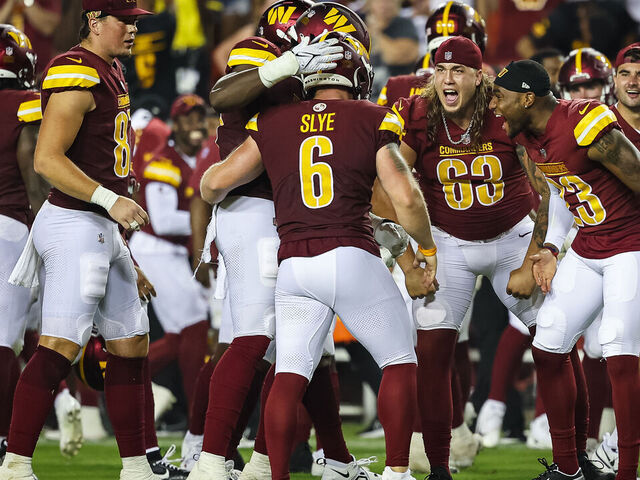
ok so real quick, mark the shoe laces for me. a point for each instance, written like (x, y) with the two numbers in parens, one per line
(231, 472)
(168, 462)
(363, 462)
(549, 468)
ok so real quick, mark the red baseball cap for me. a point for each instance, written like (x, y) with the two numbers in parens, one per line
(184, 104)
(459, 50)
(114, 7)
(622, 54)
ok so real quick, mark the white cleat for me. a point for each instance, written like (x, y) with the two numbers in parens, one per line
(191, 448)
(418, 461)
(163, 400)
(465, 445)
(356, 469)
(136, 468)
(209, 467)
(539, 436)
(388, 474)
(16, 467)
(258, 468)
(92, 427)
(317, 467)
(607, 454)
(489, 424)
(69, 422)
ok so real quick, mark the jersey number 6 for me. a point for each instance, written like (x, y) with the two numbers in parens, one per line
(316, 178)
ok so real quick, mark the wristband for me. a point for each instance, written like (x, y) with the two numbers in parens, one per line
(552, 249)
(427, 253)
(272, 72)
(104, 197)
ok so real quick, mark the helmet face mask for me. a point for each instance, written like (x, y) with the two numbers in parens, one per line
(17, 58)
(279, 18)
(453, 19)
(331, 17)
(354, 72)
(586, 67)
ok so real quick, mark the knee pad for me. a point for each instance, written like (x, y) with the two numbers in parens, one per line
(432, 316)
(592, 347)
(611, 336)
(268, 260)
(551, 331)
(94, 272)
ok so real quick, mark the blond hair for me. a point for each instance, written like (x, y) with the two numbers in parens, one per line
(482, 97)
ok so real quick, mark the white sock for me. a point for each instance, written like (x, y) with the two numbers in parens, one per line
(260, 460)
(212, 464)
(393, 474)
(136, 464)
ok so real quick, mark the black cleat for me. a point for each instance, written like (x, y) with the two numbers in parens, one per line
(3, 449)
(593, 469)
(163, 468)
(301, 459)
(552, 473)
(439, 473)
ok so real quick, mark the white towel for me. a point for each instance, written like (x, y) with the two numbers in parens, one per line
(25, 273)
(210, 237)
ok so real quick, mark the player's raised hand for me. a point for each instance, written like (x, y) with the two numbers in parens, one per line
(317, 55)
(544, 268)
(521, 282)
(128, 214)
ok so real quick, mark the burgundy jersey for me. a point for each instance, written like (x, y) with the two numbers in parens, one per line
(253, 52)
(104, 144)
(630, 132)
(321, 159)
(167, 166)
(19, 108)
(150, 139)
(402, 86)
(473, 192)
(208, 155)
(605, 209)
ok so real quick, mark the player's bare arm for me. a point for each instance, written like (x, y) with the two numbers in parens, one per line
(243, 165)
(236, 89)
(404, 193)
(619, 156)
(244, 84)
(68, 108)
(522, 282)
(200, 216)
(37, 188)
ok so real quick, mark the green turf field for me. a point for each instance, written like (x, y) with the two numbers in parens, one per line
(99, 461)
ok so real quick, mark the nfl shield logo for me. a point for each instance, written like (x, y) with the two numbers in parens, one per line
(448, 55)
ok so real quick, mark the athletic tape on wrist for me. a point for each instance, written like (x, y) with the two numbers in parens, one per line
(104, 197)
(279, 69)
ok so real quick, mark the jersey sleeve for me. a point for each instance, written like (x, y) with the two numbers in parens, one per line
(403, 108)
(252, 51)
(593, 121)
(160, 169)
(382, 98)
(253, 127)
(390, 129)
(70, 72)
(29, 110)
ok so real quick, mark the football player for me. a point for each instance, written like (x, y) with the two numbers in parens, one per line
(22, 192)
(325, 232)
(75, 234)
(627, 109)
(480, 200)
(594, 170)
(161, 248)
(586, 74)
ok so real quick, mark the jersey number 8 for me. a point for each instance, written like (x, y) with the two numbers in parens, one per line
(122, 152)
(320, 194)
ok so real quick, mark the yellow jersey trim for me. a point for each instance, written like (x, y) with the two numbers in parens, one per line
(71, 76)
(592, 124)
(392, 123)
(30, 111)
(252, 124)
(249, 56)
(163, 172)
(382, 99)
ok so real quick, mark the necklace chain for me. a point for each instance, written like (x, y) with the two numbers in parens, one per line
(464, 138)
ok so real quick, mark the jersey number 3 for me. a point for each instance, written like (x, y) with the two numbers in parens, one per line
(316, 178)
(122, 152)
